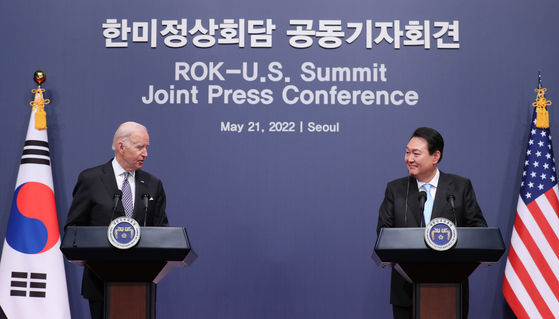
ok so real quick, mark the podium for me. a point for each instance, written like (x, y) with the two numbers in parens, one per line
(130, 275)
(437, 275)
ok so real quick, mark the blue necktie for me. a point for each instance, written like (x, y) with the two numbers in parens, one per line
(428, 204)
(127, 197)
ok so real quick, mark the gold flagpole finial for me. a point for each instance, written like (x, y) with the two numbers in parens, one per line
(39, 103)
(542, 118)
(39, 77)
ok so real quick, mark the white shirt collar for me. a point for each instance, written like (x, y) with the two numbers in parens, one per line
(119, 170)
(434, 182)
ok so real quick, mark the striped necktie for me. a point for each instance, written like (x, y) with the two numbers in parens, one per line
(127, 196)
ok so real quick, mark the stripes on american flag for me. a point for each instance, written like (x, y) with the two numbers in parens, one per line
(531, 283)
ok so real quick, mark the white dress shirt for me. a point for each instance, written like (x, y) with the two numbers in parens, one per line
(119, 176)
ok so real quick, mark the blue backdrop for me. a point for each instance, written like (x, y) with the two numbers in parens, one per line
(281, 213)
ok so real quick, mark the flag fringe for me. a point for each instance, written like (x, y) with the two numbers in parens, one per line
(39, 105)
(542, 119)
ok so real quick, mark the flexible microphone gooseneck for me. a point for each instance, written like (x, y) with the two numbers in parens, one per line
(450, 198)
(406, 211)
(116, 198)
(145, 199)
(422, 199)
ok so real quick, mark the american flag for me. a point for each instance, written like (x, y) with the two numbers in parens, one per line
(531, 283)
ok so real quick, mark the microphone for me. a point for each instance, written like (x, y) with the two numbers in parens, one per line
(406, 211)
(116, 198)
(450, 198)
(145, 199)
(422, 199)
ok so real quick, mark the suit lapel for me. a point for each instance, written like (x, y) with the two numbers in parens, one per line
(413, 201)
(444, 187)
(109, 181)
(141, 189)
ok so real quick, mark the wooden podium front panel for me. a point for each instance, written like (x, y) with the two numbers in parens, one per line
(130, 300)
(437, 300)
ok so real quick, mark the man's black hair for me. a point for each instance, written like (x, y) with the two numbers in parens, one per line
(433, 138)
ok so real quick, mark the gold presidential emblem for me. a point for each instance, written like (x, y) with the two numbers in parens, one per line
(124, 232)
(440, 234)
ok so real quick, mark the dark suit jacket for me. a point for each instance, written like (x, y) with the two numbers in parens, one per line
(93, 202)
(395, 213)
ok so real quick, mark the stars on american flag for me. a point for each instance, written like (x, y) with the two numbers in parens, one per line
(539, 167)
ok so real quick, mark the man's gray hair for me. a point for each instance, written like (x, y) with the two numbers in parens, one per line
(124, 131)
